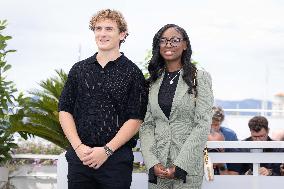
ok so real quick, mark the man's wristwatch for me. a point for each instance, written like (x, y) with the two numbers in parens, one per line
(108, 151)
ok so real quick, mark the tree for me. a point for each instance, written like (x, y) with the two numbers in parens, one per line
(38, 115)
(7, 99)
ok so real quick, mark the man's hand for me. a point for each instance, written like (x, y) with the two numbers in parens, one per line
(282, 169)
(82, 151)
(95, 157)
(160, 171)
(264, 171)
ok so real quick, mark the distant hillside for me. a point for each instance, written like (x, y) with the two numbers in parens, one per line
(241, 104)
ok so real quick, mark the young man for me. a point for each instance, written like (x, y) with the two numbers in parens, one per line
(101, 108)
(259, 130)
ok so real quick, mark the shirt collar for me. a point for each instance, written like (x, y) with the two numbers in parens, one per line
(121, 57)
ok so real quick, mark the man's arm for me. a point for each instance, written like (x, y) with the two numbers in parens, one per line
(97, 155)
(69, 128)
(68, 125)
(126, 132)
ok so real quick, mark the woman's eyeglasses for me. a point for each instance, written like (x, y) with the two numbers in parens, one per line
(174, 42)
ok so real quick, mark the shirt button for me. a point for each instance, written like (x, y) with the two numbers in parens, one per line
(102, 72)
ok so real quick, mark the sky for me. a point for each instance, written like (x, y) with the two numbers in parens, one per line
(239, 42)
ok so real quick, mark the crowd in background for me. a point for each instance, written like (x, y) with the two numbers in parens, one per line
(259, 129)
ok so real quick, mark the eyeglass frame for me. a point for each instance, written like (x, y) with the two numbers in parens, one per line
(170, 41)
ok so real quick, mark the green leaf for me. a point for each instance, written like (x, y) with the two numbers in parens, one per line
(3, 22)
(6, 38)
(5, 106)
(10, 51)
(7, 82)
(7, 67)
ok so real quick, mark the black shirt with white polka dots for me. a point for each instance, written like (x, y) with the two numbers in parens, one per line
(101, 99)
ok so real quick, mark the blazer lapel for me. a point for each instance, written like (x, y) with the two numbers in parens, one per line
(154, 97)
(181, 90)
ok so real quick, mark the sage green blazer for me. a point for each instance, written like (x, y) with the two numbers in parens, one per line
(179, 140)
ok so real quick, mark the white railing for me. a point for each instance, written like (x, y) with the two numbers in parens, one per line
(254, 110)
(255, 156)
(34, 176)
(263, 112)
(34, 156)
(220, 181)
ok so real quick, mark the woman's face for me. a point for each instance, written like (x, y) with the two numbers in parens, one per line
(172, 45)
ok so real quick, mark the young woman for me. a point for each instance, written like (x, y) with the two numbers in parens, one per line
(178, 119)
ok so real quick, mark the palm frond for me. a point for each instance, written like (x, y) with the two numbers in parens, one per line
(39, 115)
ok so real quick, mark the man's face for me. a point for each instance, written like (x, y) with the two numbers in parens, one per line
(107, 35)
(259, 136)
(215, 125)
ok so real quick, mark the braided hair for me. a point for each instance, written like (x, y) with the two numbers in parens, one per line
(157, 63)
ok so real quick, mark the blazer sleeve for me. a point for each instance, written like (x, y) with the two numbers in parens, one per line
(190, 157)
(148, 144)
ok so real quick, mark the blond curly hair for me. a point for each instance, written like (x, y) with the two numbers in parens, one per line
(113, 15)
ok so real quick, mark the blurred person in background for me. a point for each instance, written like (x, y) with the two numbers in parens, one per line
(279, 135)
(220, 168)
(259, 130)
(217, 120)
